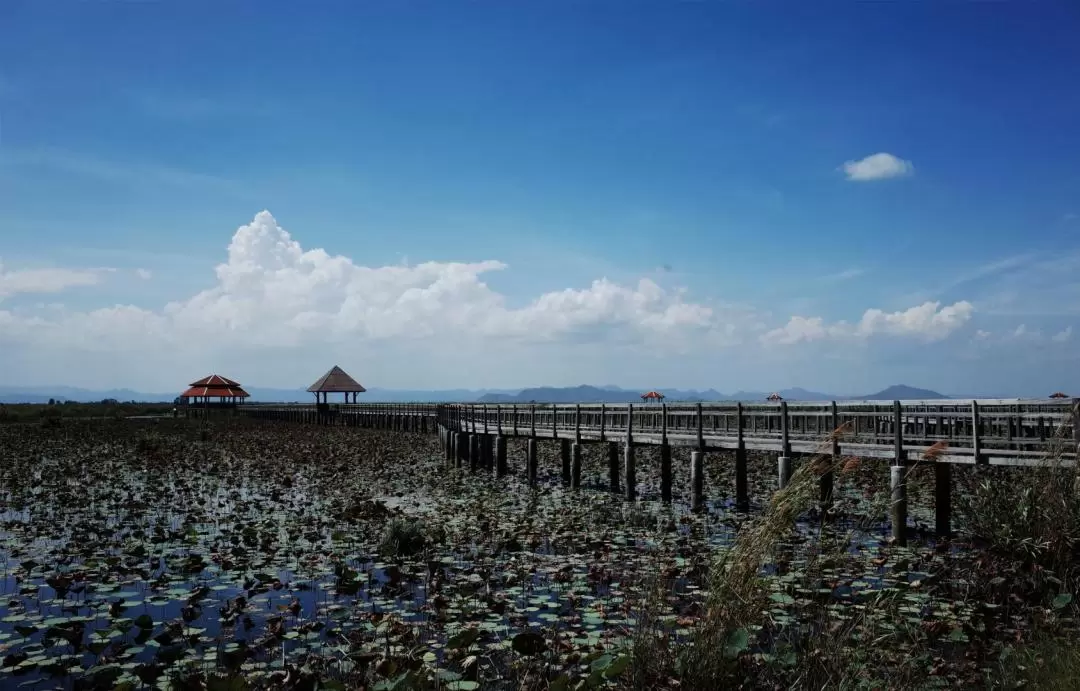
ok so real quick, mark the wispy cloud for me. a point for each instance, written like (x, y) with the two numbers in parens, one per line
(181, 106)
(144, 274)
(128, 173)
(844, 275)
(879, 166)
(47, 280)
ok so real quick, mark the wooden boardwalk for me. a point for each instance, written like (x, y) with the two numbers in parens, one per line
(982, 432)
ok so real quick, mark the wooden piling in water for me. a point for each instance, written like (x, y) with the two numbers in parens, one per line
(629, 468)
(899, 504)
(500, 456)
(742, 485)
(530, 460)
(613, 467)
(826, 480)
(474, 452)
(697, 480)
(487, 452)
(783, 471)
(665, 456)
(564, 456)
(898, 478)
(942, 499)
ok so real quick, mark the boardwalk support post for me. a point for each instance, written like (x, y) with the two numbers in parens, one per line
(742, 487)
(899, 504)
(530, 460)
(629, 469)
(575, 466)
(613, 467)
(474, 452)
(783, 471)
(783, 463)
(487, 452)
(942, 499)
(826, 481)
(500, 456)
(564, 455)
(697, 480)
(665, 457)
(898, 479)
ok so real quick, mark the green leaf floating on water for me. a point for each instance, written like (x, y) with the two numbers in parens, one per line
(617, 667)
(737, 642)
(463, 639)
(1062, 600)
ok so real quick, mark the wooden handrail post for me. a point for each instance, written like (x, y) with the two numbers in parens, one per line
(785, 440)
(976, 442)
(577, 424)
(603, 419)
(700, 428)
(1076, 426)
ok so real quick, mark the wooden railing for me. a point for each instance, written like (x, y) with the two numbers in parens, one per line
(1008, 432)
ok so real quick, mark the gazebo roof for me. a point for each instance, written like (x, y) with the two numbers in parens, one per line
(774, 397)
(652, 394)
(216, 391)
(215, 380)
(336, 381)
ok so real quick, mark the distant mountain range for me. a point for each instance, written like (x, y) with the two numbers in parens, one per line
(42, 394)
(594, 394)
(570, 394)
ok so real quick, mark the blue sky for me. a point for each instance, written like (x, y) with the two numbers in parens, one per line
(698, 145)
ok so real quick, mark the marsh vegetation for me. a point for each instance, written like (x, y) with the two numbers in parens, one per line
(271, 555)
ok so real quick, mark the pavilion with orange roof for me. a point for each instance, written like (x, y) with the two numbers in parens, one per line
(215, 386)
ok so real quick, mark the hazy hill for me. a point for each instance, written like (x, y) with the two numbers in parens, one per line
(543, 394)
(900, 392)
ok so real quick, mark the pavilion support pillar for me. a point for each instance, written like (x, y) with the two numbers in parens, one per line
(564, 455)
(697, 480)
(500, 456)
(575, 466)
(461, 441)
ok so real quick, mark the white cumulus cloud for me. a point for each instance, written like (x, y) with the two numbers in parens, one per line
(879, 166)
(271, 292)
(928, 321)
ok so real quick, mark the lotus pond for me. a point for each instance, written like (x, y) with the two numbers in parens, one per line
(172, 554)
